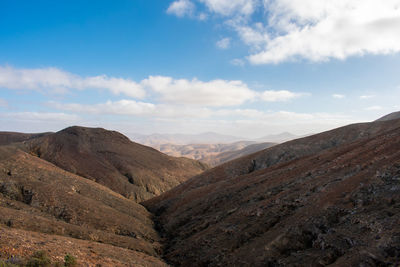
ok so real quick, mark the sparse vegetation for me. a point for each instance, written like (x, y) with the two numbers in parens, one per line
(39, 259)
(70, 261)
(7, 264)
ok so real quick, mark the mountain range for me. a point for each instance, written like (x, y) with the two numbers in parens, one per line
(210, 148)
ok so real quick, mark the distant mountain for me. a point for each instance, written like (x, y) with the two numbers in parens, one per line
(213, 154)
(200, 151)
(391, 116)
(278, 138)
(154, 140)
(111, 159)
(222, 157)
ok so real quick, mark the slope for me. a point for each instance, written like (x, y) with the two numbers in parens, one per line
(13, 137)
(331, 198)
(391, 116)
(43, 207)
(217, 159)
(111, 159)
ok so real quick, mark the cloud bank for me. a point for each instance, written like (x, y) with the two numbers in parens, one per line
(54, 80)
(315, 30)
(163, 89)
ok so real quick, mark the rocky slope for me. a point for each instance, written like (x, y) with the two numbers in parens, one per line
(111, 159)
(43, 207)
(13, 137)
(391, 116)
(328, 199)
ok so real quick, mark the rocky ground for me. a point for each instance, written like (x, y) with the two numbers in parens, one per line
(43, 207)
(331, 199)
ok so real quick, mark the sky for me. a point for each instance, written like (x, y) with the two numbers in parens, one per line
(247, 68)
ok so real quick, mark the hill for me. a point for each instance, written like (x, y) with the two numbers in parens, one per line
(111, 159)
(331, 198)
(391, 116)
(13, 137)
(43, 207)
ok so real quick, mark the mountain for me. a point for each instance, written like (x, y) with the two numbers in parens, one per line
(327, 199)
(111, 159)
(155, 140)
(213, 154)
(278, 138)
(45, 208)
(391, 116)
(222, 157)
(201, 152)
(13, 137)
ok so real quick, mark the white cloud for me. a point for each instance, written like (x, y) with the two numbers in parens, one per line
(40, 116)
(134, 108)
(224, 43)
(338, 96)
(315, 30)
(325, 29)
(282, 95)
(374, 108)
(237, 62)
(229, 7)
(214, 93)
(121, 107)
(367, 96)
(54, 80)
(181, 8)
(202, 16)
(195, 92)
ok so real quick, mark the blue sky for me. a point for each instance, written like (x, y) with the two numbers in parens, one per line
(241, 67)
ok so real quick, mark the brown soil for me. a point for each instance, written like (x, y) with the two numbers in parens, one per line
(7, 138)
(59, 209)
(329, 199)
(111, 159)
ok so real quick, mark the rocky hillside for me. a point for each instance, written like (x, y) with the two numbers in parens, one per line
(13, 137)
(46, 208)
(391, 116)
(111, 159)
(328, 199)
